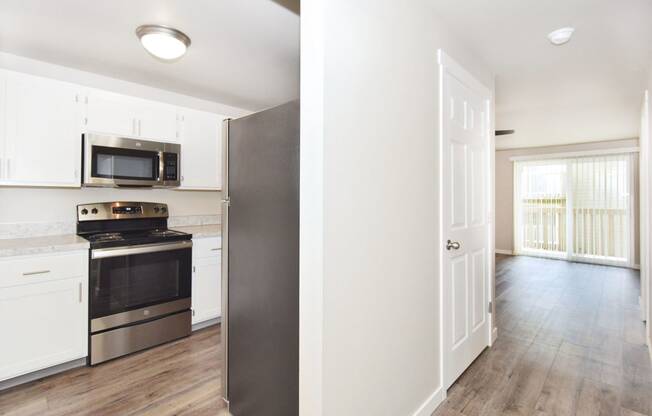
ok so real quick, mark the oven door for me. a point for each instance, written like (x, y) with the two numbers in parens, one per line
(135, 283)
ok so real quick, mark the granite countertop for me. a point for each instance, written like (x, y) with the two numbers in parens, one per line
(42, 245)
(71, 242)
(201, 231)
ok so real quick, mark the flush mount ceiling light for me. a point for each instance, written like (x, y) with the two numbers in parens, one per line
(163, 42)
(561, 36)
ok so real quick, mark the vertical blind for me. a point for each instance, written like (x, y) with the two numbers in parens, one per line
(575, 208)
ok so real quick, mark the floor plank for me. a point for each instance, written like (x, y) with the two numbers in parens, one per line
(570, 342)
(179, 378)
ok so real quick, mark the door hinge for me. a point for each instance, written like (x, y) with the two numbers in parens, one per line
(490, 307)
(227, 201)
(85, 121)
(76, 98)
(193, 312)
(194, 269)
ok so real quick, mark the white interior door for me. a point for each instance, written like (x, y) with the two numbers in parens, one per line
(465, 190)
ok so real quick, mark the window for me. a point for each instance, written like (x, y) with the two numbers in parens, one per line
(577, 208)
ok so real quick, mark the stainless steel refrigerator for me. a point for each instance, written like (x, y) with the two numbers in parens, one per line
(260, 260)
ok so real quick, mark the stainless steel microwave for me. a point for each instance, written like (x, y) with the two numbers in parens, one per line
(111, 161)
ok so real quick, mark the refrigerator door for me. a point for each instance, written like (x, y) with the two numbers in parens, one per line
(261, 328)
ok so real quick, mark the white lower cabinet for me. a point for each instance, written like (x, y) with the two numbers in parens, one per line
(206, 280)
(43, 312)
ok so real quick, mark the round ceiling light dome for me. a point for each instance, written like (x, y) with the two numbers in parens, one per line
(163, 42)
(561, 36)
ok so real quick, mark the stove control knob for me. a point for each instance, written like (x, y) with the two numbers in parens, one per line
(163, 209)
(156, 209)
(94, 211)
(84, 211)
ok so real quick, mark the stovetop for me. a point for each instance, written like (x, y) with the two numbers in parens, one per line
(131, 238)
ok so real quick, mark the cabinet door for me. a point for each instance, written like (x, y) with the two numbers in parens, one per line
(207, 289)
(111, 113)
(43, 324)
(3, 123)
(43, 132)
(201, 150)
(157, 121)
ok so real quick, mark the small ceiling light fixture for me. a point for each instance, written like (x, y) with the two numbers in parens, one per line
(163, 42)
(561, 36)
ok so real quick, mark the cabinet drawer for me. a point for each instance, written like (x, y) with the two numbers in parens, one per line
(207, 247)
(34, 269)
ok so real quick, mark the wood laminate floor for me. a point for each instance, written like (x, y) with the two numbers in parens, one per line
(180, 378)
(570, 342)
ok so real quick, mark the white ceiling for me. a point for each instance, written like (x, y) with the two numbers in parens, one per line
(244, 53)
(589, 89)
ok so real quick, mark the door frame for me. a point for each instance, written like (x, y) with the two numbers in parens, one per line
(447, 64)
(644, 215)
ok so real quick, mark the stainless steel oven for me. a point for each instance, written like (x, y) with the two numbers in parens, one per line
(140, 277)
(112, 161)
(138, 297)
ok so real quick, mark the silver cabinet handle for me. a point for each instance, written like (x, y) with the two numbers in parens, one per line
(80, 292)
(452, 245)
(36, 272)
(215, 249)
(133, 126)
(139, 133)
(8, 163)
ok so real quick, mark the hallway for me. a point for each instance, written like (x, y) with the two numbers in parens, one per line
(570, 342)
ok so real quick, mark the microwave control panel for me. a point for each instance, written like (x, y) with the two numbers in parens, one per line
(170, 167)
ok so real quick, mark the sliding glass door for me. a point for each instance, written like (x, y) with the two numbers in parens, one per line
(576, 208)
(540, 207)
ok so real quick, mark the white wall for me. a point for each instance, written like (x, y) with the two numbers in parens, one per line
(53, 204)
(19, 205)
(369, 271)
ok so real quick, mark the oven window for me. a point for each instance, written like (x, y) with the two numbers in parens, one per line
(117, 163)
(120, 284)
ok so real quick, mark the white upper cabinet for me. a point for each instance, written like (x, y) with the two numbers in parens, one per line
(121, 115)
(110, 113)
(3, 122)
(42, 122)
(201, 150)
(157, 121)
(42, 132)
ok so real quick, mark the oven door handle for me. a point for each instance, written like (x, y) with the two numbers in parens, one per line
(102, 253)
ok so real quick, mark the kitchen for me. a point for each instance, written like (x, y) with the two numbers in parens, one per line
(112, 179)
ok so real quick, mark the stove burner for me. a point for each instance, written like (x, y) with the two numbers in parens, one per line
(107, 237)
(146, 226)
(164, 233)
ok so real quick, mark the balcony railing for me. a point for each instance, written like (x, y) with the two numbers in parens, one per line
(597, 232)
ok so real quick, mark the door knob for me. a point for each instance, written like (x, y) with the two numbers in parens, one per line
(452, 245)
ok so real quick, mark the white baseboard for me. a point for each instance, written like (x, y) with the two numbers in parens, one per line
(636, 266)
(494, 335)
(206, 324)
(506, 252)
(432, 403)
